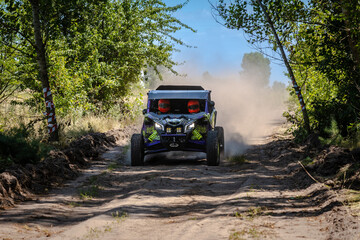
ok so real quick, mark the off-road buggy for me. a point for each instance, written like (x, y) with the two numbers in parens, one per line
(172, 123)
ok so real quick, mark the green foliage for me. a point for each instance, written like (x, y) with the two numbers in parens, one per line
(97, 50)
(328, 69)
(8, 84)
(321, 39)
(17, 146)
(307, 161)
(89, 192)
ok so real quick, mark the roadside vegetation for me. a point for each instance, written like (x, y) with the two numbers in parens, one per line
(92, 57)
(318, 43)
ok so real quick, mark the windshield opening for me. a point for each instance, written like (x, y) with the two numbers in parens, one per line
(177, 106)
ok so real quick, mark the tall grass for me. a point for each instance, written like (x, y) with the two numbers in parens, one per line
(23, 129)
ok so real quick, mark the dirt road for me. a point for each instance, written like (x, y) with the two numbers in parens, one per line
(180, 197)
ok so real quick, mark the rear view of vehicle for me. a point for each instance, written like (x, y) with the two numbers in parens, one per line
(179, 118)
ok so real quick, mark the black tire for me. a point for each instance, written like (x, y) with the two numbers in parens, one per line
(212, 149)
(137, 150)
(221, 137)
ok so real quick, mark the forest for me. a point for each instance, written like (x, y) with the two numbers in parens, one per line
(72, 67)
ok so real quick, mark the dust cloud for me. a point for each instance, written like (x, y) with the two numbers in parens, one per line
(246, 109)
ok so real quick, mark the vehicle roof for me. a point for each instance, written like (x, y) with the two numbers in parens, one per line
(179, 94)
(179, 87)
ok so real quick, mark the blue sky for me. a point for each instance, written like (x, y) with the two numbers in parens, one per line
(218, 49)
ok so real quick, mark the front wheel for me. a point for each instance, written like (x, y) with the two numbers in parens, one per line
(212, 149)
(221, 137)
(137, 150)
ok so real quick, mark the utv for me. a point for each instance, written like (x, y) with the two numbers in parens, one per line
(179, 118)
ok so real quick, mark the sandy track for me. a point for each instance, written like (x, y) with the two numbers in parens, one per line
(177, 197)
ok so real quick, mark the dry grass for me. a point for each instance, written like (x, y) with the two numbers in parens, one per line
(353, 199)
(72, 129)
(71, 126)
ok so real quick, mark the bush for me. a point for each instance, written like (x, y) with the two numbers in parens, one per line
(16, 146)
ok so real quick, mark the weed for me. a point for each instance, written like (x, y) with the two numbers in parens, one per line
(107, 228)
(252, 233)
(255, 211)
(74, 204)
(237, 235)
(89, 192)
(237, 214)
(307, 161)
(237, 159)
(119, 216)
(112, 166)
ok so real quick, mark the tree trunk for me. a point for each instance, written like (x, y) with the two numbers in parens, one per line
(43, 73)
(291, 74)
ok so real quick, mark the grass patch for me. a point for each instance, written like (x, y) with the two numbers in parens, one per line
(112, 166)
(251, 213)
(237, 214)
(237, 159)
(119, 216)
(98, 232)
(237, 235)
(252, 233)
(256, 211)
(353, 200)
(89, 192)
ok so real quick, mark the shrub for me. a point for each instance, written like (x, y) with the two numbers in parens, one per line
(16, 146)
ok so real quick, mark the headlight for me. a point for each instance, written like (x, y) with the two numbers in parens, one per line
(189, 127)
(158, 126)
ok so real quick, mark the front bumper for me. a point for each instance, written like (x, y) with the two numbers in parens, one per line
(175, 142)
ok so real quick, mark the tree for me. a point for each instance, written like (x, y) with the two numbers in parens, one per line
(43, 71)
(326, 59)
(26, 27)
(266, 23)
(256, 67)
(88, 51)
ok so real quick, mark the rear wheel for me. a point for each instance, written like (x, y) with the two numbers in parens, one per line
(220, 131)
(212, 149)
(137, 150)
